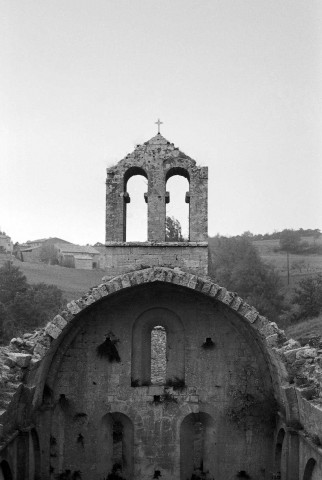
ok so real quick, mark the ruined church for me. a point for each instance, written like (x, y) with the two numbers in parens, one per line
(229, 397)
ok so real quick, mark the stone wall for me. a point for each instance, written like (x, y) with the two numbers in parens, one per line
(157, 160)
(215, 380)
(119, 258)
(53, 385)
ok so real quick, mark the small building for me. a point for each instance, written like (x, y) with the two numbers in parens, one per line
(78, 256)
(29, 254)
(83, 262)
(6, 245)
(33, 250)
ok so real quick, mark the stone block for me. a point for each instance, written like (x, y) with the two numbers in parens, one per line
(20, 359)
(155, 390)
(306, 353)
(40, 350)
(194, 398)
(59, 321)
(52, 330)
(73, 307)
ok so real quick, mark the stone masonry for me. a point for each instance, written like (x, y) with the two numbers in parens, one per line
(232, 398)
(157, 160)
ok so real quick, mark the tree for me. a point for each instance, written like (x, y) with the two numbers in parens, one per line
(173, 230)
(236, 265)
(308, 296)
(290, 241)
(49, 254)
(12, 281)
(24, 307)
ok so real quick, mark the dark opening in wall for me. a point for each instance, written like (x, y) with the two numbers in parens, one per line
(34, 457)
(197, 444)
(118, 432)
(116, 447)
(135, 208)
(310, 470)
(278, 452)
(5, 470)
(158, 355)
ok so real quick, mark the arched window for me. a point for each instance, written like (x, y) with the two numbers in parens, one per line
(310, 472)
(197, 444)
(158, 355)
(177, 208)
(135, 206)
(115, 449)
(5, 472)
(278, 462)
(167, 359)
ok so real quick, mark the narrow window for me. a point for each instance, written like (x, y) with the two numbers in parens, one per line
(177, 209)
(198, 446)
(136, 212)
(117, 445)
(278, 453)
(158, 355)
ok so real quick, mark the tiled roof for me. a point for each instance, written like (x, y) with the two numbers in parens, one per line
(70, 248)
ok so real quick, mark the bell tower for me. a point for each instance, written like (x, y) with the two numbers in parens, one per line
(157, 160)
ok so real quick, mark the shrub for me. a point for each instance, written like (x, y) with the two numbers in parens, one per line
(308, 295)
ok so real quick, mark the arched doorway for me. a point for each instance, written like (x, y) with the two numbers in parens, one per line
(197, 444)
(310, 472)
(5, 472)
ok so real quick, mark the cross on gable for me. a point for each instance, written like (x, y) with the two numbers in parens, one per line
(158, 123)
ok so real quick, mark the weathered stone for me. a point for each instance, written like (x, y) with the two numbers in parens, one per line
(20, 359)
(306, 353)
(59, 321)
(52, 330)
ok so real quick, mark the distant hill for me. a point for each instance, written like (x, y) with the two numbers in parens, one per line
(301, 265)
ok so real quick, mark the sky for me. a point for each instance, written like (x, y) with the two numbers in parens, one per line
(237, 84)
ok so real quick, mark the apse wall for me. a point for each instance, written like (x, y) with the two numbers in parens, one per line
(214, 413)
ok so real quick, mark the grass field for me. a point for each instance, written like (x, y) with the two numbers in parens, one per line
(73, 283)
(305, 328)
(301, 266)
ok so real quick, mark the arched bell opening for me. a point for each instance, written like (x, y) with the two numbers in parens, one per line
(135, 220)
(177, 205)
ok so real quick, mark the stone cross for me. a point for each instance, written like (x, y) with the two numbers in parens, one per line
(159, 123)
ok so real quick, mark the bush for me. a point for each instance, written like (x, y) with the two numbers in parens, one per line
(236, 265)
(24, 307)
(308, 295)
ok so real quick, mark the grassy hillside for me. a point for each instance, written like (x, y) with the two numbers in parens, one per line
(73, 283)
(305, 328)
(300, 265)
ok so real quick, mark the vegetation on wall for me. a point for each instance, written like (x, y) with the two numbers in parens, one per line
(246, 408)
(108, 349)
(176, 383)
(24, 307)
(116, 473)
